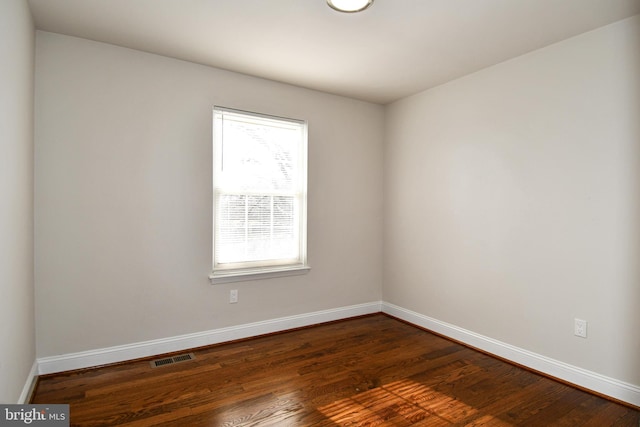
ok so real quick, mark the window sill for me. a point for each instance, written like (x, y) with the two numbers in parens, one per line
(229, 276)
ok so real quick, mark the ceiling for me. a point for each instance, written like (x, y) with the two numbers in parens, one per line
(393, 49)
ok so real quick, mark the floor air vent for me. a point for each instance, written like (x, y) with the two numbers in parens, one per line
(171, 360)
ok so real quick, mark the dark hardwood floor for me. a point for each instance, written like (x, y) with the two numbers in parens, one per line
(368, 371)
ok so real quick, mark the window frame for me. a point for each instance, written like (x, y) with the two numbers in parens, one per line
(249, 270)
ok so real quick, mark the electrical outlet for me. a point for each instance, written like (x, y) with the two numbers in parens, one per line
(580, 328)
(233, 296)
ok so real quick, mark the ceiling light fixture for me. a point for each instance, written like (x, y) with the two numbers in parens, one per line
(349, 6)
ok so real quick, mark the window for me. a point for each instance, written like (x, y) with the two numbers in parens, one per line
(259, 196)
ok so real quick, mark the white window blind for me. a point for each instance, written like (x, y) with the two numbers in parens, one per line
(259, 184)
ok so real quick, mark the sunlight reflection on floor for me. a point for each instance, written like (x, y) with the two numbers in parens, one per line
(403, 402)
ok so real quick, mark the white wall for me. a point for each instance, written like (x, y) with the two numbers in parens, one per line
(17, 331)
(512, 201)
(123, 198)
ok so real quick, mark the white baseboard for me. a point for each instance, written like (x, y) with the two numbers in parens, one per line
(86, 359)
(29, 384)
(581, 377)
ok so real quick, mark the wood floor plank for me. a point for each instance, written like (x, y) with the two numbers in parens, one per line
(368, 371)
